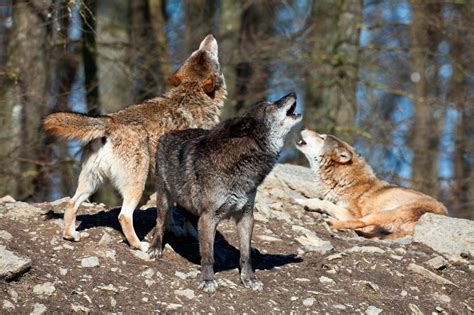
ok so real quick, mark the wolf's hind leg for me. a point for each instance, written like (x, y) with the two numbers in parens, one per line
(131, 198)
(163, 209)
(88, 183)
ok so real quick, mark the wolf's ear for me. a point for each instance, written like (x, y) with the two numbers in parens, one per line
(342, 155)
(209, 84)
(174, 80)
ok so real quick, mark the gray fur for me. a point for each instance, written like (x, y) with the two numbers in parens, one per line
(214, 174)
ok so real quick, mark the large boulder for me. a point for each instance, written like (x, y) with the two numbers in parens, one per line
(451, 237)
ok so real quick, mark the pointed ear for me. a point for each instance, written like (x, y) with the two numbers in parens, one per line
(209, 84)
(342, 155)
(174, 80)
(209, 43)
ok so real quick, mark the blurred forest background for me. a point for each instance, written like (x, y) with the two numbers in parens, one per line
(394, 78)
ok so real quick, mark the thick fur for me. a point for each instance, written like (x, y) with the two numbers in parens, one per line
(355, 197)
(122, 146)
(214, 174)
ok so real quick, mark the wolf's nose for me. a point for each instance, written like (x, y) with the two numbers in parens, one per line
(292, 95)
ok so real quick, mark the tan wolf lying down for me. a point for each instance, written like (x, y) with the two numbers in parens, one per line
(355, 197)
(121, 146)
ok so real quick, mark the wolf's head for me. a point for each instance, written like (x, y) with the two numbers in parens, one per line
(318, 147)
(275, 119)
(201, 67)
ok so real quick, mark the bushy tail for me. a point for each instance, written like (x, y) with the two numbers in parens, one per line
(76, 126)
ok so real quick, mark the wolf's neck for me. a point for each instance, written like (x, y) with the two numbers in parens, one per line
(190, 95)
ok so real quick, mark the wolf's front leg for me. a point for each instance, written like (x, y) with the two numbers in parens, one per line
(163, 209)
(207, 225)
(244, 229)
(326, 206)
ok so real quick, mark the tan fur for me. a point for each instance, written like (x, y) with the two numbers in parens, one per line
(355, 197)
(121, 146)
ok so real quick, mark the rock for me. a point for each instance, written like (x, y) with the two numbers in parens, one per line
(62, 271)
(442, 297)
(339, 307)
(297, 178)
(437, 263)
(38, 309)
(7, 305)
(45, 289)
(268, 238)
(428, 274)
(415, 310)
(173, 306)
(309, 301)
(148, 273)
(109, 287)
(192, 274)
(90, 262)
(11, 265)
(106, 239)
(59, 201)
(141, 255)
(77, 308)
(327, 280)
(5, 235)
(403, 293)
(21, 211)
(7, 199)
(372, 310)
(13, 294)
(187, 293)
(446, 235)
(334, 256)
(310, 241)
(365, 249)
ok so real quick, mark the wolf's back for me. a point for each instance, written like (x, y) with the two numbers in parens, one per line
(76, 126)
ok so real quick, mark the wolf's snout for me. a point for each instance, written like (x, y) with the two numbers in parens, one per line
(209, 43)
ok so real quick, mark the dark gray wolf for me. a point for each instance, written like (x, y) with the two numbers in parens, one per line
(355, 197)
(121, 146)
(214, 174)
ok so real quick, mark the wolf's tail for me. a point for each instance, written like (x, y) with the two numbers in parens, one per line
(76, 126)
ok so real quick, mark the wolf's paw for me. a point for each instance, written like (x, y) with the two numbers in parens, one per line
(301, 201)
(155, 252)
(74, 236)
(144, 246)
(253, 284)
(208, 286)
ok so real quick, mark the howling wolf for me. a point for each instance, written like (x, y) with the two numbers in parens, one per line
(214, 174)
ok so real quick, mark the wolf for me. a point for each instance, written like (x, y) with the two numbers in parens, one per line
(354, 197)
(214, 174)
(122, 146)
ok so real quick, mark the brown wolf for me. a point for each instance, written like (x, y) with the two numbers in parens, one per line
(354, 197)
(121, 146)
(214, 174)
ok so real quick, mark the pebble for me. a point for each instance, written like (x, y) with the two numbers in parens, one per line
(113, 301)
(106, 239)
(7, 305)
(324, 279)
(334, 256)
(77, 308)
(293, 298)
(428, 274)
(188, 293)
(110, 253)
(13, 294)
(404, 293)
(5, 235)
(109, 287)
(442, 297)
(309, 301)
(46, 288)
(372, 310)
(62, 271)
(437, 263)
(90, 262)
(173, 306)
(365, 249)
(38, 309)
(148, 273)
(339, 307)
(415, 310)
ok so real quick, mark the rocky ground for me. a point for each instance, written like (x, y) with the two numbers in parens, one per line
(304, 265)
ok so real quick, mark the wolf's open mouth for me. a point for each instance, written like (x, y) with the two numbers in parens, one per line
(301, 142)
(291, 111)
